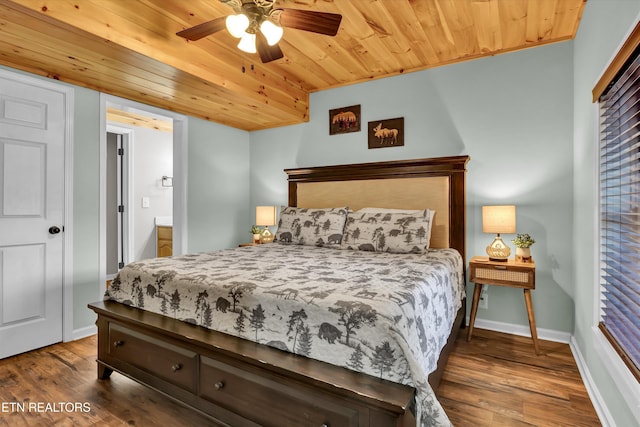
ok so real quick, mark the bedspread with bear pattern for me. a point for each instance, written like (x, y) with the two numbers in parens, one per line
(387, 315)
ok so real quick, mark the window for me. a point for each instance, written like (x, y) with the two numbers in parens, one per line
(620, 211)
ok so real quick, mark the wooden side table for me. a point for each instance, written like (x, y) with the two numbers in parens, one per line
(511, 273)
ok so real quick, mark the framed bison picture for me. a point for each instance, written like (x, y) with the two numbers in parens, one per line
(386, 133)
(344, 120)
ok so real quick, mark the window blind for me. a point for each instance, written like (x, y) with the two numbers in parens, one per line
(620, 213)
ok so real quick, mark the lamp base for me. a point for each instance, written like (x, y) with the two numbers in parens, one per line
(266, 236)
(498, 251)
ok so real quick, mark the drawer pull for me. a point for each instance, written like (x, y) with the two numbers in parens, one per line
(176, 367)
(118, 343)
(500, 267)
(219, 385)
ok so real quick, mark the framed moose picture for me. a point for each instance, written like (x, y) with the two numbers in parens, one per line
(344, 120)
(386, 133)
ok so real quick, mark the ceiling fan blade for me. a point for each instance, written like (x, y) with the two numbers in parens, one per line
(310, 20)
(267, 53)
(203, 30)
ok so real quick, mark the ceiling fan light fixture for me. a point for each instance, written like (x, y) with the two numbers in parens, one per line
(248, 43)
(272, 32)
(259, 26)
(237, 24)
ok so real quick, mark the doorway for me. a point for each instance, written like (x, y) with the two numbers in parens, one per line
(141, 187)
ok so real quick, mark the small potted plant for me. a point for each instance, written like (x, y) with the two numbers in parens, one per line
(255, 230)
(523, 244)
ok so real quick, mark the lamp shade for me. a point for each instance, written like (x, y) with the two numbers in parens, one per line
(248, 43)
(499, 219)
(237, 24)
(265, 215)
(272, 32)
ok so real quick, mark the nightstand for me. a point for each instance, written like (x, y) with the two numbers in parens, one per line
(512, 274)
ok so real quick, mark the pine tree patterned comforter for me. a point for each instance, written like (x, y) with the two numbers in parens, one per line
(387, 315)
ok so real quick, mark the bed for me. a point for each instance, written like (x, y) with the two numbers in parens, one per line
(239, 382)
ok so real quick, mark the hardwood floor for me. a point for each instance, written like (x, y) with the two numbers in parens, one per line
(495, 380)
(67, 373)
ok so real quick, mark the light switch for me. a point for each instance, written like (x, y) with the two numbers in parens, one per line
(145, 202)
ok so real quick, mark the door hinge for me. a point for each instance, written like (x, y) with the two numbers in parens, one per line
(120, 208)
(120, 151)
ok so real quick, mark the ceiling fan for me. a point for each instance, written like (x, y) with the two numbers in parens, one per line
(259, 25)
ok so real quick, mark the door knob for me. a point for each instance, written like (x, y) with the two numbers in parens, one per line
(54, 230)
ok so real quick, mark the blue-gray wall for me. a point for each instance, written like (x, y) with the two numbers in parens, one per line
(511, 113)
(602, 31)
(86, 205)
(218, 187)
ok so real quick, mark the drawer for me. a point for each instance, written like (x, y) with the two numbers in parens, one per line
(171, 363)
(267, 402)
(503, 274)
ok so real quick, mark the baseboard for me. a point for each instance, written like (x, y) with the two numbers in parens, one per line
(594, 394)
(510, 328)
(87, 331)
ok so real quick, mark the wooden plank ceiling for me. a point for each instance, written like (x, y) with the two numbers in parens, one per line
(128, 48)
(139, 119)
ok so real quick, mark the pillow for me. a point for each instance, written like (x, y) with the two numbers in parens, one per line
(388, 230)
(312, 227)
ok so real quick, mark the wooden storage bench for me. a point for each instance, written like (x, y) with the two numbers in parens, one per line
(238, 382)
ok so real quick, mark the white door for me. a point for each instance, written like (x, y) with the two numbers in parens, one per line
(32, 144)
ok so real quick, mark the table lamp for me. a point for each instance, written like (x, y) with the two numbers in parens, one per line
(265, 217)
(498, 219)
